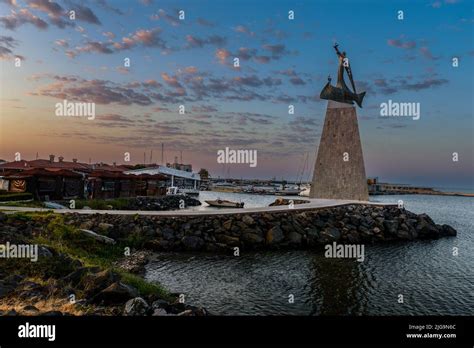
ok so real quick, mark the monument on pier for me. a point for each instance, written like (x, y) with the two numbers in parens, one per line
(339, 171)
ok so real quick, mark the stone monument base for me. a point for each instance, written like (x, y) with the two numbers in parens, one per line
(339, 171)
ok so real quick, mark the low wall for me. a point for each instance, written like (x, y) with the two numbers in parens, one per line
(348, 224)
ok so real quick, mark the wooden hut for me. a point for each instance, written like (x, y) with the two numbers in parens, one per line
(104, 184)
(46, 184)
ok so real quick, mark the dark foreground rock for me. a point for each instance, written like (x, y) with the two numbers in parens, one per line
(136, 307)
(95, 291)
(115, 293)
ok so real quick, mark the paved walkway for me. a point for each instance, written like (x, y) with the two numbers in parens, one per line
(314, 204)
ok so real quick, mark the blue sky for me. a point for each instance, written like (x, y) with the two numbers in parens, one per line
(283, 62)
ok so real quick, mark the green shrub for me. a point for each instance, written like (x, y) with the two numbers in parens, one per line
(144, 287)
(29, 204)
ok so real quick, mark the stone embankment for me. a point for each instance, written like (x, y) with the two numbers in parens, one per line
(267, 230)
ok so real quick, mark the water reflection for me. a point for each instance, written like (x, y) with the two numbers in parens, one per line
(335, 286)
(431, 279)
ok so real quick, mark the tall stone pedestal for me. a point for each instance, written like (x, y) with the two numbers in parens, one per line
(339, 171)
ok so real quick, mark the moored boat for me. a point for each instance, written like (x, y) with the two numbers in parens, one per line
(305, 192)
(287, 192)
(221, 203)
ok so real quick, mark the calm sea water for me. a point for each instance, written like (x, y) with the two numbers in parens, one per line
(431, 280)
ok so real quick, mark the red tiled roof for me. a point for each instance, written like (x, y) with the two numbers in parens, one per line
(43, 172)
(77, 166)
(15, 165)
(42, 163)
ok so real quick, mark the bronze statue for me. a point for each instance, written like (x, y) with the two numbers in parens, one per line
(341, 93)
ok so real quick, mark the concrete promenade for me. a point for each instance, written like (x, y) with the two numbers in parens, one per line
(312, 205)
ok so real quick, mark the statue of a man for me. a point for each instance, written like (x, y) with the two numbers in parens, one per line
(341, 93)
(342, 65)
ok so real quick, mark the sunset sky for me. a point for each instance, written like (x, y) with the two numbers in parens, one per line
(282, 62)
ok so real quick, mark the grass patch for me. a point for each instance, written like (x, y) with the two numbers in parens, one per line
(20, 196)
(28, 216)
(28, 204)
(145, 288)
(67, 240)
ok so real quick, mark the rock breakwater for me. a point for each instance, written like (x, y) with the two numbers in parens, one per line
(269, 230)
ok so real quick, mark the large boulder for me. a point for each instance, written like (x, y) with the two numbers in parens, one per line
(192, 242)
(167, 233)
(75, 277)
(136, 307)
(93, 283)
(175, 308)
(313, 236)
(426, 229)
(252, 238)
(391, 226)
(248, 220)
(329, 234)
(447, 230)
(228, 240)
(116, 293)
(294, 238)
(105, 227)
(160, 312)
(160, 303)
(227, 225)
(402, 234)
(274, 235)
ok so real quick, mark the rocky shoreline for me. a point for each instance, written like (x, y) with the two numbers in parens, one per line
(104, 294)
(268, 230)
(105, 281)
(75, 274)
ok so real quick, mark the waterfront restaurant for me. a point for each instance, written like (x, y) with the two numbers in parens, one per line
(56, 180)
(45, 184)
(106, 184)
(174, 177)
